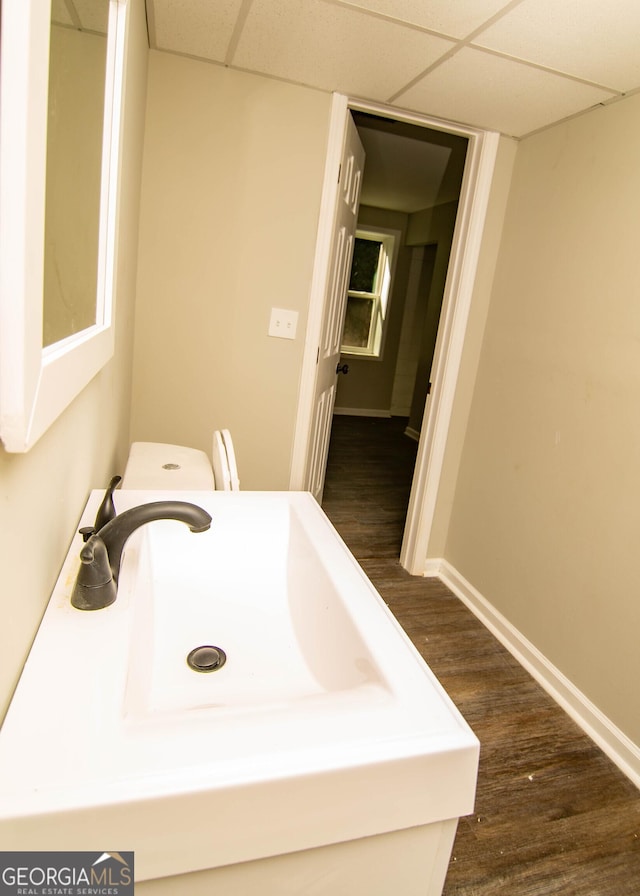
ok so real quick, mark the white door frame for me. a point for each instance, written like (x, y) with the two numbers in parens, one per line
(472, 209)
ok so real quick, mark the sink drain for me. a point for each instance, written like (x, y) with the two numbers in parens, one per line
(206, 658)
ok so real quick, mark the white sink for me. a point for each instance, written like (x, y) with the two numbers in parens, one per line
(324, 724)
(255, 586)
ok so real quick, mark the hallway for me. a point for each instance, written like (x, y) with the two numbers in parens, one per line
(553, 815)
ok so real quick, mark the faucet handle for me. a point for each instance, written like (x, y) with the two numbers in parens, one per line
(107, 510)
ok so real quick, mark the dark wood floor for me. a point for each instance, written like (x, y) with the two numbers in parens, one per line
(553, 815)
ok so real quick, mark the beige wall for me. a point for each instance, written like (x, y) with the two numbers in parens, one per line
(430, 226)
(44, 491)
(369, 384)
(478, 311)
(546, 517)
(233, 173)
(419, 284)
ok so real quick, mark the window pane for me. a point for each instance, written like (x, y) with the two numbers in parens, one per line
(366, 255)
(357, 322)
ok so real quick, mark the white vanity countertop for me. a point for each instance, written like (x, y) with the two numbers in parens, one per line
(324, 724)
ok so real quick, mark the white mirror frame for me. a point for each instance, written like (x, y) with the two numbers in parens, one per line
(36, 383)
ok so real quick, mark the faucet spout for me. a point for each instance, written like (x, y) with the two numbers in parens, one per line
(101, 556)
(116, 532)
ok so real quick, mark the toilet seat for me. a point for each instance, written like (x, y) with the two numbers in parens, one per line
(220, 464)
(231, 459)
(225, 469)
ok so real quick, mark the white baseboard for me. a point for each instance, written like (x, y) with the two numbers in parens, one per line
(362, 412)
(412, 433)
(608, 737)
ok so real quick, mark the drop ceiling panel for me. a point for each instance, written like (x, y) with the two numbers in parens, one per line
(194, 27)
(499, 94)
(455, 18)
(596, 41)
(333, 48)
(510, 65)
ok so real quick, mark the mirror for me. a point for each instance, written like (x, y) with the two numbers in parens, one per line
(75, 107)
(60, 133)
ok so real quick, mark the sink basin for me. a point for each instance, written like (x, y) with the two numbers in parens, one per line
(323, 725)
(256, 587)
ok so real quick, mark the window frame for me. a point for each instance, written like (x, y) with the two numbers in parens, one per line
(380, 297)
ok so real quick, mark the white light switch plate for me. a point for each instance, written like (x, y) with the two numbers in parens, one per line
(283, 323)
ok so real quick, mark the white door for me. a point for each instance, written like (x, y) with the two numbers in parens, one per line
(341, 252)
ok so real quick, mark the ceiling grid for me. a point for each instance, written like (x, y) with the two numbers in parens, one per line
(514, 67)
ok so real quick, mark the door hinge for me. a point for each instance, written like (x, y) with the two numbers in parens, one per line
(318, 355)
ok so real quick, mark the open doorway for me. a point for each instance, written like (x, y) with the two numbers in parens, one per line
(411, 187)
(459, 282)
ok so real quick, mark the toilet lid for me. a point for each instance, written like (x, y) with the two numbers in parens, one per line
(157, 465)
(220, 464)
(231, 460)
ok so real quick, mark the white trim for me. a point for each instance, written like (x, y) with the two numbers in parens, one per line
(362, 412)
(412, 433)
(37, 383)
(465, 251)
(313, 333)
(622, 751)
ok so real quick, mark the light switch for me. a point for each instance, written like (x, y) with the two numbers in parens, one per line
(283, 323)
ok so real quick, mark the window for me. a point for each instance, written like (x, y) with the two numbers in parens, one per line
(369, 293)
